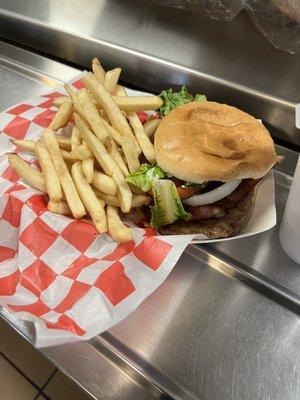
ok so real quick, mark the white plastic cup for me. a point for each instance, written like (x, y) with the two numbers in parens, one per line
(289, 233)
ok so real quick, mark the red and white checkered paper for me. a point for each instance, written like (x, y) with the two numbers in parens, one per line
(59, 272)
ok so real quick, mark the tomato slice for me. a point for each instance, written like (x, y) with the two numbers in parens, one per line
(186, 192)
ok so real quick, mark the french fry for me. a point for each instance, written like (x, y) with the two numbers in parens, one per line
(69, 89)
(29, 174)
(122, 92)
(58, 101)
(49, 172)
(94, 100)
(138, 103)
(69, 166)
(62, 117)
(81, 152)
(119, 91)
(92, 115)
(124, 193)
(68, 157)
(130, 103)
(143, 140)
(73, 199)
(108, 198)
(26, 145)
(97, 147)
(88, 169)
(76, 105)
(138, 200)
(114, 152)
(107, 163)
(117, 230)
(64, 142)
(138, 129)
(75, 138)
(104, 115)
(60, 207)
(112, 132)
(90, 200)
(114, 114)
(150, 126)
(111, 79)
(130, 154)
(98, 70)
(104, 183)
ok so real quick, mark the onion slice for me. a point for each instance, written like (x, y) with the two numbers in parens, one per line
(214, 195)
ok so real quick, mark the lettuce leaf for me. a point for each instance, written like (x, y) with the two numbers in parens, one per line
(167, 206)
(200, 185)
(200, 97)
(172, 99)
(144, 177)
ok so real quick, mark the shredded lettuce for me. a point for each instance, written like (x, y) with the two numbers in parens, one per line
(144, 177)
(200, 185)
(167, 206)
(172, 99)
(200, 97)
(147, 173)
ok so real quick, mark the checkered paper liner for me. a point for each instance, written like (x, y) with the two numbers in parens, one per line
(59, 272)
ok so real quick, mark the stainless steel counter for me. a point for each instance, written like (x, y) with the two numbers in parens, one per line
(228, 325)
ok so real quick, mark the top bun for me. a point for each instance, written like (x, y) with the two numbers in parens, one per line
(207, 141)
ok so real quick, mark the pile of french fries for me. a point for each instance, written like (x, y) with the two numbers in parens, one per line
(84, 174)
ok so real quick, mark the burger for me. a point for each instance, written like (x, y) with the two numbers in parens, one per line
(210, 157)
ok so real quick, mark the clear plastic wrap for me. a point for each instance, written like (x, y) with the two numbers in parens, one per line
(278, 20)
(224, 10)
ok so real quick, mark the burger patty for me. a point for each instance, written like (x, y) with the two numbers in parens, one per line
(218, 209)
(233, 199)
(199, 213)
(218, 220)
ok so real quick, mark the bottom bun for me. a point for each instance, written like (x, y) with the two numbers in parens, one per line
(214, 228)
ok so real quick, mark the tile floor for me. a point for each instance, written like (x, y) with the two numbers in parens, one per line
(25, 374)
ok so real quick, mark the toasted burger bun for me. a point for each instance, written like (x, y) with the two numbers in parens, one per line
(208, 141)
